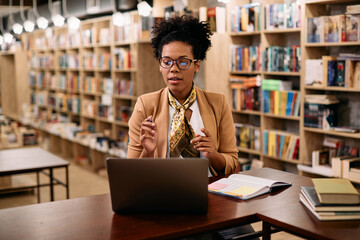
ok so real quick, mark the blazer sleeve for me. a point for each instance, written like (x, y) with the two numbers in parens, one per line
(227, 143)
(135, 148)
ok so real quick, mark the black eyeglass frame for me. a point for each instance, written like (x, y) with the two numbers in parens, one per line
(176, 60)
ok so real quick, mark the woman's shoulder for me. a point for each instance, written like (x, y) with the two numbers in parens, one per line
(152, 96)
(211, 96)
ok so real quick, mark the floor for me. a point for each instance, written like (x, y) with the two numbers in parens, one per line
(82, 183)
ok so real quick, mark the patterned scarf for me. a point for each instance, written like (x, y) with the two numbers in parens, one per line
(181, 130)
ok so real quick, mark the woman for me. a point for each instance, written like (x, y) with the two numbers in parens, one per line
(181, 120)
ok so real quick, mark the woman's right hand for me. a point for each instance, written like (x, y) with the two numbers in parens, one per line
(148, 136)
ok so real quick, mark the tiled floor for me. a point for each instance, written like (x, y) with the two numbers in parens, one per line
(82, 183)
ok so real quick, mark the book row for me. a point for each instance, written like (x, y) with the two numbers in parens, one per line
(247, 136)
(59, 100)
(245, 58)
(335, 28)
(246, 18)
(281, 144)
(282, 59)
(282, 16)
(135, 27)
(340, 71)
(73, 83)
(286, 103)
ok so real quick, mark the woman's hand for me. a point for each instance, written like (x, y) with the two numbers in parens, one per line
(205, 144)
(148, 136)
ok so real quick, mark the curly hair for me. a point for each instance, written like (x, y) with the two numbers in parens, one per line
(186, 29)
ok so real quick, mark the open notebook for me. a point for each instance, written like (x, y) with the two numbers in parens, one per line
(244, 186)
(155, 185)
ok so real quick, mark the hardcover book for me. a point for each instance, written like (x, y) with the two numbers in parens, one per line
(330, 215)
(309, 193)
(244, 187)
(336, 191)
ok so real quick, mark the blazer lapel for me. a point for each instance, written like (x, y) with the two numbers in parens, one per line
(162, 121)
(207, 115)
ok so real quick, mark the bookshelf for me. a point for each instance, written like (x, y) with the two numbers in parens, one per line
(14, 90)
(89, 78)
(264, 37)
(348, 113)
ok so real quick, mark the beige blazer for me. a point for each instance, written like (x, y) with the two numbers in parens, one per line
(215, 113)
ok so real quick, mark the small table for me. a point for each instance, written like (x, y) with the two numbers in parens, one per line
(27, 160)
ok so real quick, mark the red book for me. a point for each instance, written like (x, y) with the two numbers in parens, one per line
(293, 103)
(296, 149)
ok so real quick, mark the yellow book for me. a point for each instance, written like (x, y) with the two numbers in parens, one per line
(276, 102)
(336, 191)
(283, 102)
(272, 143)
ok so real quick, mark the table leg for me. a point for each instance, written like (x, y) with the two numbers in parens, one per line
(51, 185)
(67, 181)
(266, 231)
(38, 186)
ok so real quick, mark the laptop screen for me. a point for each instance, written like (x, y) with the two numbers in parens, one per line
(158, 185)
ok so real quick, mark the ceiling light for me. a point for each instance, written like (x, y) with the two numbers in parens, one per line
(8, 37)
(73, 22)
(58, 20)
(29, 26)
(144, 9)
(42, 22)
(55, 13)
(17, 28)
(118, 19)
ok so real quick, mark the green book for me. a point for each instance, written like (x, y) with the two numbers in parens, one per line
(336, 191)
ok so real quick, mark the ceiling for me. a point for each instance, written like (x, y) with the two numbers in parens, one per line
(4, 6)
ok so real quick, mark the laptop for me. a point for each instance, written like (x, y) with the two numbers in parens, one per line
(158, 185)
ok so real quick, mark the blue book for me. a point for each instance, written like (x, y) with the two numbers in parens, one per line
(331, 73)
(281, 147)
(266, 101)
(290, 97)
(265, 142)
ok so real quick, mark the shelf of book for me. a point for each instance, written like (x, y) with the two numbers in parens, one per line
(249, 112)
(291, 30)
(332, 44)
(89, 69)
(292, 161)
(294, 118)
(282, 73)
(339, 93)
(331, 88)
(245, 33)
(250, 151)
(245, 72)
(123, 124)
(125, 97)
(264, 42)
(333, 132)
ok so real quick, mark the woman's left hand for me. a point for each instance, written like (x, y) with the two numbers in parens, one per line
(204, 144)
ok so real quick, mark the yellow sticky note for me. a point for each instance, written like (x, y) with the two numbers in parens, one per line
(244, 190)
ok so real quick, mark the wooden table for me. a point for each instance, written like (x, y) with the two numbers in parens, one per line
(27, 160)
(92, 217)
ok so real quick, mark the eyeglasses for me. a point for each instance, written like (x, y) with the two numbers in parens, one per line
(182, 63)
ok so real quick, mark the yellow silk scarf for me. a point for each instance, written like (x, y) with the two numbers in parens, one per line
(181, 131)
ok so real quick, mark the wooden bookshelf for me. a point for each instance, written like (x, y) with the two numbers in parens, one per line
(349, 97)
(90, 57)
(264, 38)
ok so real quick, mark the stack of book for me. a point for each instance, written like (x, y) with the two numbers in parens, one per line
(331, 199)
